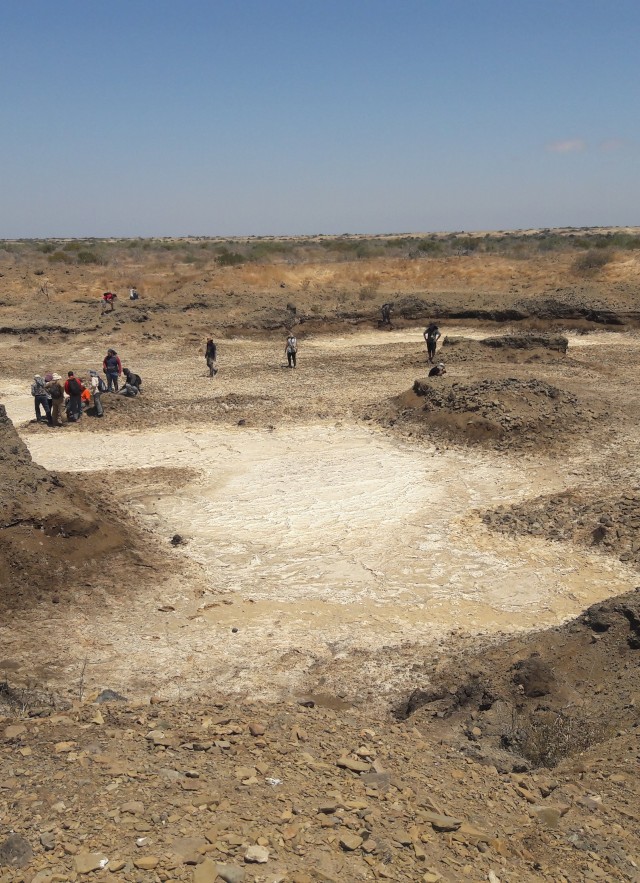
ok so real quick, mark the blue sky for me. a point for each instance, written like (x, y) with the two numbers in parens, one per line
(236, 117)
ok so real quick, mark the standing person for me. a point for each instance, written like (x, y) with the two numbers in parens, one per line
(385, 311)
(108, 304)
(132, 379)
(96, 385)
(210, 355)
(55, 389)
(112, 367)
(74, 388)
(432, 336)
(41, 398)
(291, 349)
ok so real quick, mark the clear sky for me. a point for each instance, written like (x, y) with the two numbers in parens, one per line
(235, 117)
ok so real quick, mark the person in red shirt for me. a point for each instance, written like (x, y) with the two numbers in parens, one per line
(108, 299)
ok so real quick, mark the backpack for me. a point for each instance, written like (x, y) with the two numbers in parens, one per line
(75, 387)
(102, 386)
(55, 390)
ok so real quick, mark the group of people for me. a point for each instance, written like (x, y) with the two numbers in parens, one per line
(55, 398)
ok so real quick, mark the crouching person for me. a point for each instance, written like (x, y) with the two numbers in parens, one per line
(132, 379)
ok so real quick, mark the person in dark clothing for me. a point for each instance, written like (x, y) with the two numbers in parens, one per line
(438, 370)
(41, 398)
(112, 367)
(432, 336)
(132, 379)
(74, 389)
(385, 312)
(210, 355)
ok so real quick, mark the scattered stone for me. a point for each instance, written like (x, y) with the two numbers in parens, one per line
(229, 873)
(350, 842)
(328, 807)
(356, 766)
(48, 841)
(134, 807)
(146, 862)
(257, 855)
(14, 731)
(442, 823)
(110, 696)
(257, 729)
(15, 852)
(86, 862)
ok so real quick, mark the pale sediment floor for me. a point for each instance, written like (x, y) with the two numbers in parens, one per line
(320, 556)
(316, 544)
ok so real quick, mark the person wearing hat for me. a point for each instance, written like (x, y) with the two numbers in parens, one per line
(55, 390)
(41, 399)
(94, 389)
(438, 370)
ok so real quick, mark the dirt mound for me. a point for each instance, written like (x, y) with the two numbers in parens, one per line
(511, 348)
(528, 341)
(52, 529)
(545, 696)
(502, 413)
(610, 525)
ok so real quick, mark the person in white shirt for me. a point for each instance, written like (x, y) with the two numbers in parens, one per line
(291, 349)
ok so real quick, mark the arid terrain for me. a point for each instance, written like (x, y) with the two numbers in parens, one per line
(344, 622)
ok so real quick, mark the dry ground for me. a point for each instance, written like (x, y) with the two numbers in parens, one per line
(341, 541)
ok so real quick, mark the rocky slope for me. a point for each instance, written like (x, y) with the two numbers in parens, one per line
(209, 790)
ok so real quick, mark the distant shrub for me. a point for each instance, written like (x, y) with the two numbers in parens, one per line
(429, 246)
(59, 257)
(46, 247)
(230, 258)
(89, 257)
(592, 261)
(73, 246)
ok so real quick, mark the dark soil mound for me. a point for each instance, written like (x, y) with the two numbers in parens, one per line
(499, 412)
(528, 341)
(544, 696)
(511, 348)
(52, 529)
(609, 525)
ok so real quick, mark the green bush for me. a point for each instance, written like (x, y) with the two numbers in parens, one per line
(59, 257)
(230, 259)
(89, 257)
(592, 261)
